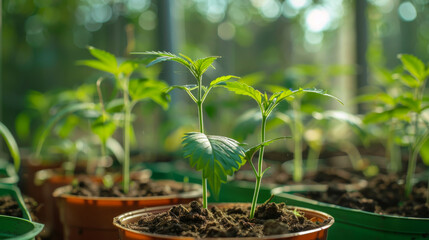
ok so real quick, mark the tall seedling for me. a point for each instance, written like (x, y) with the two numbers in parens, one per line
(266, 105)
(11, 144)
(133, 91)
(216, 156)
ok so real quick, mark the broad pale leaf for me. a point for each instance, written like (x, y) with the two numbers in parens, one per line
(407, 80)
(413, 65)
(145, 88)
(116, 149)
(11, 144)
(223, 79)
(105, 57)
(103, 127)
(319, 92)
(244, 89)
(216, 156)
(98, 65)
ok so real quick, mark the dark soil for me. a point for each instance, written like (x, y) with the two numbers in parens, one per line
(9, 207)
(194, 221)
(323, 176)
(88, 188)
(384, 195)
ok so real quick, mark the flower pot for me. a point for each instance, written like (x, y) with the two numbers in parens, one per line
(14, 227)
(357, 224)
(7, 173)
(320, 233)
(91, 217)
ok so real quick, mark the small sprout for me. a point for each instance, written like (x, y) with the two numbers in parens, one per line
(108, 181)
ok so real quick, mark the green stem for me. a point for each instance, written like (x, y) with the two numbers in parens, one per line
(313, 159)
(259, 175)
(127, 129)
(201, 125)
(410, 173)
(99, 168)
(297, 161)
(394, 152)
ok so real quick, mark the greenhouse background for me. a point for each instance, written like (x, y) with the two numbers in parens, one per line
(341, 46)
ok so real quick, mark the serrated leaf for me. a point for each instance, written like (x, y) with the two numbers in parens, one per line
(244, 89)
(11, 144)
(201, 65)
(319, 92)
(216, 156)
(222, 79)
(376, 117)
(414, 66)
(165, 56)
(103, 127)
(188, 87)
(127, 67)
(409, 102)
(141, 89)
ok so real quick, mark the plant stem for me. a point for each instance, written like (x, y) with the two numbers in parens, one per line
(410, 172)
(127, 129)
(259, 176)
(313, 159)
(394, 151)
(297, 160)
(201, 121)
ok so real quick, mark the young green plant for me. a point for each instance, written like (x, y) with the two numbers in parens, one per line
(266, 105)
(133, 91)
(216, 156)
(412, 104)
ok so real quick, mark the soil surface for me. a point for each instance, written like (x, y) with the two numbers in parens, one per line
(88, 188)
(323, 176)
(9, 207)
(384, 195)
(195, 221)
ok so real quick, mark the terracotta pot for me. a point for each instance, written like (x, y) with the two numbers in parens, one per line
(130, 217)
(91, 217)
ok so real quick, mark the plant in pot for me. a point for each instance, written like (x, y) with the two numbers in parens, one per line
(217, 157)
(15, 220)
(87, 207)
(388, 207)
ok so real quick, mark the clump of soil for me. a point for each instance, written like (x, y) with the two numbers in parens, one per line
(384, 195)
(195, 221)
(88, 188)
(10, 207)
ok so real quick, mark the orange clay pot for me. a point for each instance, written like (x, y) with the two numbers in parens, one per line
(128, 234)
(91, 217)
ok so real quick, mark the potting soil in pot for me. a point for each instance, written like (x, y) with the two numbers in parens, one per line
(9, 207)
(195, 221)
(384, 195)
(88, 188)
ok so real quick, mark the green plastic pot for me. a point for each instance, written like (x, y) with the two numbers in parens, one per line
(353, 223)
(13, 227)
(8, 173)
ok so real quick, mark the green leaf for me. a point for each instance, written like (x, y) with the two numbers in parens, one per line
(187, 88)
(141, 89)
(103, 127)
(320, 92)
(222, 79)
(246, 124)
(424, 153)
(376, 117)
(409, 102)
(98, 65)
(105, 57)
(116, 149)
(216, 156)
(127, 67)
(350, 119)
(165, 56)
(201, 65)
(244, 89)
(414, 66)
(251, 151)
(11, 144)
(407, 80)
(54, 119)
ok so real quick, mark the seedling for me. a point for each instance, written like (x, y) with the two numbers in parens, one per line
(216, 156)
(266, 105)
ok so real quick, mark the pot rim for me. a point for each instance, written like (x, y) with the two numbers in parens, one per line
(140, 212)
(283, 190)
(195, 191)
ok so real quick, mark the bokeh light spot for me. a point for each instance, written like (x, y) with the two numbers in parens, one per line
(407, 11)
